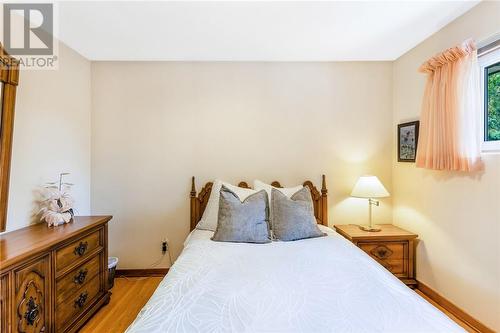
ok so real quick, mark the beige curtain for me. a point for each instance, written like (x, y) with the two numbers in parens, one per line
(448, 138)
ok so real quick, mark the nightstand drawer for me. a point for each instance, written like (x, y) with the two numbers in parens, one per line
(392, 255)
(385, 250)
(397, 267)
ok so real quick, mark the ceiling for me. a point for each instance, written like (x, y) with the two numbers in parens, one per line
(252, 31)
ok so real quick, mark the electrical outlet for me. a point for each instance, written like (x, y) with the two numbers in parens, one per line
(164, 246)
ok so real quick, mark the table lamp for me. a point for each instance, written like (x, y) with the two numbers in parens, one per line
(369, 187)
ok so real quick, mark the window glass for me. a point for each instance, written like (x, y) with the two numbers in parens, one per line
(492, 102)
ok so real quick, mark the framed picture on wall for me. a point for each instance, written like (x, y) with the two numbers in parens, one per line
(407, 141)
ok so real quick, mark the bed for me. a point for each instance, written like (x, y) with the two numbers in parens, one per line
(321, 284)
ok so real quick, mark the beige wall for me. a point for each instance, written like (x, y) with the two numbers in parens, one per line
(154, 125)
(51, 135)
(456, 215)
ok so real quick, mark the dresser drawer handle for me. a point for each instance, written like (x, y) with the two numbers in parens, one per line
(81, 248)
(32, 312)
(80, 301)
(80, 277)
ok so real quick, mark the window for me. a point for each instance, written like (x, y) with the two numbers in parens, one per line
(492, 102)
(490, 86)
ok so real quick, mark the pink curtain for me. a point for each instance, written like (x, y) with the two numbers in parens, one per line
(448, 138)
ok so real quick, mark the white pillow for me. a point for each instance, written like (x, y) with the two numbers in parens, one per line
(288, 191)
(210, 215)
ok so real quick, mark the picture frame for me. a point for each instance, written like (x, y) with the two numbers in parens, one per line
(408, 141)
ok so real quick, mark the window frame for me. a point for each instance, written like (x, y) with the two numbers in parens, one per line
(484, 61)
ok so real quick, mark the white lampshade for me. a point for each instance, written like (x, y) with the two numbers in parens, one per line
(369, 187)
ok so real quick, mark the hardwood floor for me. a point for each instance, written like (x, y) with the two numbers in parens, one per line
(130, 295)
(128, 298)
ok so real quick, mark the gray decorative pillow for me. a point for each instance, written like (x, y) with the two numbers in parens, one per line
(242, 222)
(293, 218)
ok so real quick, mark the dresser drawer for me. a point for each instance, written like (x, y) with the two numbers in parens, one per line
(77, 278)
(76, 303)
(79, 249)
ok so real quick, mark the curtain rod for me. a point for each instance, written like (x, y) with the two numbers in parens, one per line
(489, 44)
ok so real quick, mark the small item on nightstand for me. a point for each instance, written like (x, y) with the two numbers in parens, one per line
(369, 187)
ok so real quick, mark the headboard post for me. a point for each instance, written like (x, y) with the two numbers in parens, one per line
(324, 202)
(195, 205)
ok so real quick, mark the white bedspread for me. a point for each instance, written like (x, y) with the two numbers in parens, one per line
(316, 285)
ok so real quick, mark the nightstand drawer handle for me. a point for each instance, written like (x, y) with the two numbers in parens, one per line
(381, 252)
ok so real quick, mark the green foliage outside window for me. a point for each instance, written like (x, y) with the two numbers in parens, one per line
(493, 112)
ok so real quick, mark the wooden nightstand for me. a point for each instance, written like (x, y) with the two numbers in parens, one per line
(392, 247)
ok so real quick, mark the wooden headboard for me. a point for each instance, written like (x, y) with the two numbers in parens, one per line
(199, 202)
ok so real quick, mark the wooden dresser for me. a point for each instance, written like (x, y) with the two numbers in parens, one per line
(53, 279)
(392, 247)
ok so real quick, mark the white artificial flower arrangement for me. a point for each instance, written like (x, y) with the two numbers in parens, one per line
(57, 204)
